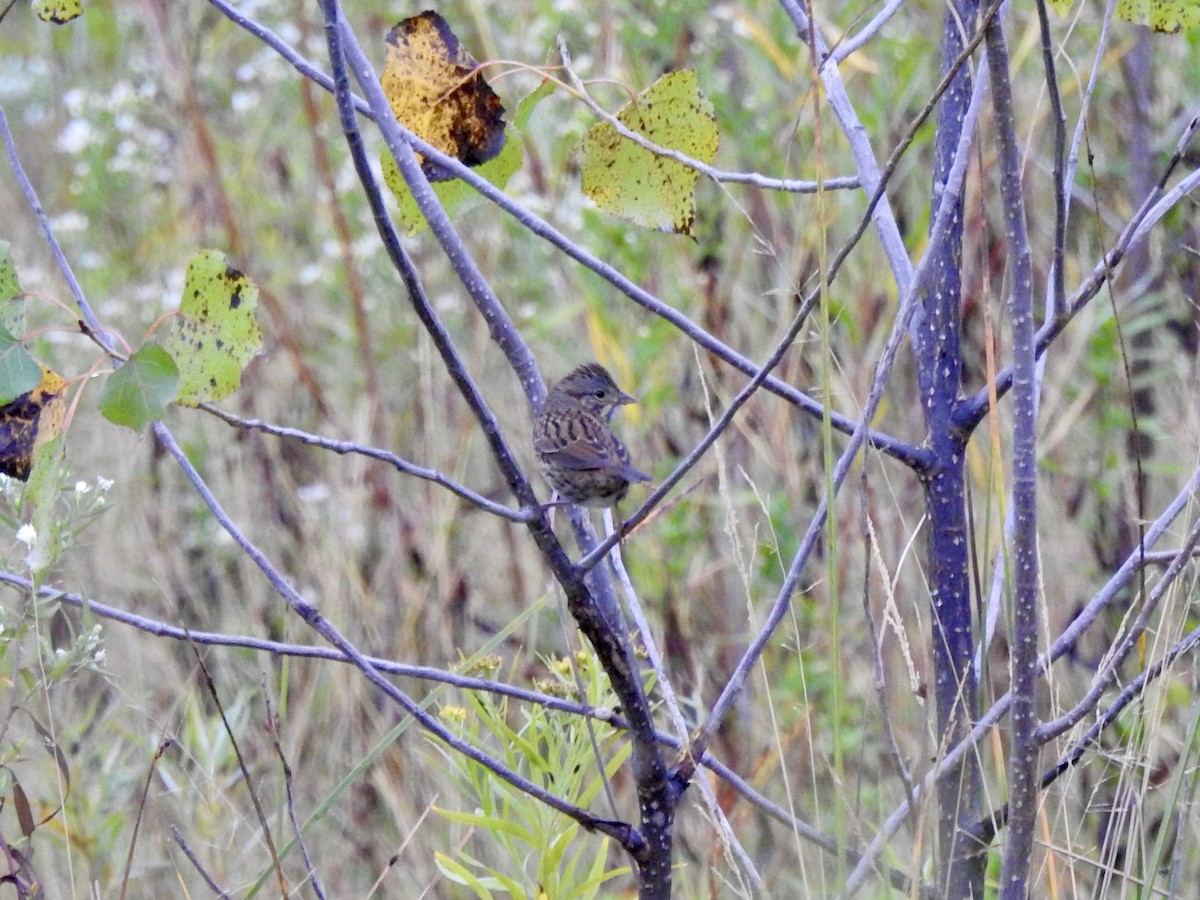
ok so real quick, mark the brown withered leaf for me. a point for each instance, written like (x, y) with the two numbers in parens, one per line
(437, 92)
(28, 422)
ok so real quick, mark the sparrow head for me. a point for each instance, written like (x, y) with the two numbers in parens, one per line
(594, 389)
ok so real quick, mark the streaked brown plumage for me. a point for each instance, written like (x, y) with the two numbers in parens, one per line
(579, 454)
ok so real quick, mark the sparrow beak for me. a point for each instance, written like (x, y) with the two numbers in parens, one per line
(624, 399)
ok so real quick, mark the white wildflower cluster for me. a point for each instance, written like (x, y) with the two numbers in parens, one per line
(99, 489)
(51, 528)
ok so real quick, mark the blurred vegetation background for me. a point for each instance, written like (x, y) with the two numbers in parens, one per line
(152, 129)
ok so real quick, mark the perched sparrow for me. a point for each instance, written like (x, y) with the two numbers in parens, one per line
(580, 456)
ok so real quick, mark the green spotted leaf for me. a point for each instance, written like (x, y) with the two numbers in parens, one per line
(137, 393)
(1162, 15)
(60, 12)
(1168, 16)
(215, 334)
(632, 182)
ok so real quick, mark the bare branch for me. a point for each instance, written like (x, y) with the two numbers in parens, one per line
(351, 447)
(1022, 785)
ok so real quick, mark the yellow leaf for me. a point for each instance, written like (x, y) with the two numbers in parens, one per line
(436, 91)
(30, 421)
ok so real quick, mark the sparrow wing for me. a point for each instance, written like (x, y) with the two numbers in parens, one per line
(580, 453)
(578, 440)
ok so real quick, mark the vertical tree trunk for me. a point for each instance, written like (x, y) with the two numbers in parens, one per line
(936, 340)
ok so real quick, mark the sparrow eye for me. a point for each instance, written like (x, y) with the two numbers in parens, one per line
(599, 394)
